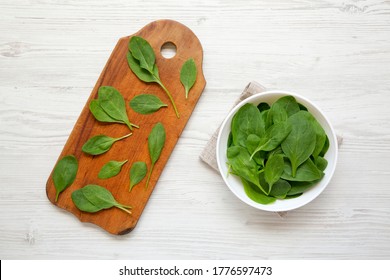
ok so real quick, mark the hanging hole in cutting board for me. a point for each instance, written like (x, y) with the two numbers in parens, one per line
(168, 50)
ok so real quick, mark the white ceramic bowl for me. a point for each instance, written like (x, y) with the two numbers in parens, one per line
(234, 183)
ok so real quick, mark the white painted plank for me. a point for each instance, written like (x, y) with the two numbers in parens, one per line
(335, 53)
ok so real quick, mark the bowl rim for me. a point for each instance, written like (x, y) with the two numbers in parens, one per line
(249, 100)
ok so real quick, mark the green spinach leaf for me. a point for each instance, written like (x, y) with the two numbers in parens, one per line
(188, 75)
(146, 104)
(93, 198)
(300, 187)
(300, 143)
(114, 105)
(99, 114)
(274, 135)
(82, 203)
(64, 173)
(143, 52)
(141, 60)
(273, 169)
(321, 163)
(307, 171)
(100, 144)
(241, 164)
(111, 169)
(280, 189)
(246, 121)
(289, 104)
(156, 142)
(137, 173)
(254, 193)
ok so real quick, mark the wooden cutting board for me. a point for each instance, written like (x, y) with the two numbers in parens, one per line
(117, 73)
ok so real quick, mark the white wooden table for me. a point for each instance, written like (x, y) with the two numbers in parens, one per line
(336, 53)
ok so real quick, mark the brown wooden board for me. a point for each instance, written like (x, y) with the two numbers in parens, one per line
(117, 73)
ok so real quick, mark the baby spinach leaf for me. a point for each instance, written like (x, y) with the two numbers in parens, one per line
(300, 187)
(146, 104)
(142, 74)
(82, 203)
(251, 144)
(100, 144)
(99, 114)
(93, 198)
(320, 134)
(111, 169)
(114, 105)
(137, 173)
(241, 164)
(300, 143)
(263, 106)
(143, 52)
(321, 163)
(253, 192)
(141, 60)
(325, 148)
(246, 121)
(188, 75)
(156, 142)
(64, 173)
(307, 171)
(289, 104)
(277, 114)
(280, 189)
(274, 135)
(273, 169)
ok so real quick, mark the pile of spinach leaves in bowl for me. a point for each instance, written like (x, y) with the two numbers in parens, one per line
(277, 151)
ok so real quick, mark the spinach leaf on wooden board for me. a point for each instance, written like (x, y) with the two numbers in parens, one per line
(113, 103)
(64, 173)
(82, 203)
(146, 104)
(188, 75)
(93, 198)
(137, 173)
(111, 169)
(280, 189)
(100, 144)
(156, 142)
(246, 121)
(141, 60)
(142, 74)
(300, 143)
(307, 171)
(99, 114)
(273, 169)
(143, 52)
(253, 192)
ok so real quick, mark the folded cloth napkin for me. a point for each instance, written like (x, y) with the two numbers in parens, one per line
(208, 154)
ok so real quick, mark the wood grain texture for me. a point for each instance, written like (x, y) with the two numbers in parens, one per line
(117, 74)
(336, 53)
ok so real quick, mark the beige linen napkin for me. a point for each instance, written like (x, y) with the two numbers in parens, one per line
(208, 154)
